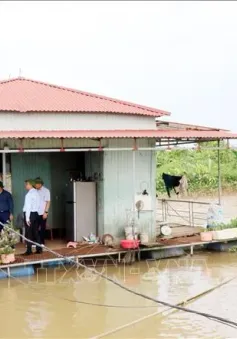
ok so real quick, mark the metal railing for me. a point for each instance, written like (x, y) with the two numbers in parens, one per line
(182, 212)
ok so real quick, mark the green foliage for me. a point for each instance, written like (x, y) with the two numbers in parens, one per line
(233, 223)
(220, 227)
(201, 168)
(203, 229)
(7, 240)
(7, 250)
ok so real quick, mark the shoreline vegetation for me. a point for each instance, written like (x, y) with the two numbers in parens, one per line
(201, 168)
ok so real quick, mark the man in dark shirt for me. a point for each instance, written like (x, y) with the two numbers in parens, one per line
(6, 206)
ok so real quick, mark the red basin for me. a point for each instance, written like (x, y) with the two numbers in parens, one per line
(128, 244)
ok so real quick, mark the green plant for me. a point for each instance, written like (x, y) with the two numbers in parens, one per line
(7, 240)
(233, 223)
(208, 229)
(7, 250)
(220, 227)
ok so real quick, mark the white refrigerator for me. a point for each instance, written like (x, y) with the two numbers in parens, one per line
(80, 210)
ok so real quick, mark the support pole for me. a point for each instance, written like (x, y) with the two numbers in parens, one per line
(134, 181)
(134, 186)
(4, 168)
(219, 174)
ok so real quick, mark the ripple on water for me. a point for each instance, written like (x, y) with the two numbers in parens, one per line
(36, 314)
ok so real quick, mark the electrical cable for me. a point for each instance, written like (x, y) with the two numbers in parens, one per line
(106, 305)
(79, 301)
(92, 270)
(191, 299)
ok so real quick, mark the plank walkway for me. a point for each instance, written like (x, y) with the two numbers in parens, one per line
(96, 251)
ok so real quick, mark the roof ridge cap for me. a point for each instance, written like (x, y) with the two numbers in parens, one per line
(10, 80)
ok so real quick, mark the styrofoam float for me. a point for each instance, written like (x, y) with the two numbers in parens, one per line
(16, 272)
(229, 233)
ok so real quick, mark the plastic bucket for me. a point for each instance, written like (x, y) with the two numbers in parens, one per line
(129, 244)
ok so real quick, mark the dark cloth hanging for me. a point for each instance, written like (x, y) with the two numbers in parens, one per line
(171, 181)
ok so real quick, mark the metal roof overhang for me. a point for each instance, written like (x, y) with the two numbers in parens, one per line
(162, 124)
(177, 137)
(163, 138)
(159, 135)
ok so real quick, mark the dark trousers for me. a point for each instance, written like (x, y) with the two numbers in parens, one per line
(4, 217)
(32, 231)
(42, 229)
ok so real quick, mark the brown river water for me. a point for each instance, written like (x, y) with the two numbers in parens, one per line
(47, 304)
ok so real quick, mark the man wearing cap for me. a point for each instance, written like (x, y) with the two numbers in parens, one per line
(30, 209)
(6, 206)
(44, 194)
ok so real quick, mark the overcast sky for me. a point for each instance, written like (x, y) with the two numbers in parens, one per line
(178, 56)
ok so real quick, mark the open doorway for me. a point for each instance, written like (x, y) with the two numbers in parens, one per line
(59, 171)
(74, 191)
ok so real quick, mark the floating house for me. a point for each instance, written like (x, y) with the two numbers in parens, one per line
(65, 135)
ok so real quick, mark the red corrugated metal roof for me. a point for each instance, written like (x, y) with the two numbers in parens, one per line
(158, 134)
(24, 95)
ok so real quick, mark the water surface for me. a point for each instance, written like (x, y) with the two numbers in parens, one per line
(35, 307)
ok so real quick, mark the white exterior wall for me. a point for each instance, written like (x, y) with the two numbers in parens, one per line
(73, 121)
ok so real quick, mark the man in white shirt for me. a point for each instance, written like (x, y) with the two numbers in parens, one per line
(44, 194)
(30, 209)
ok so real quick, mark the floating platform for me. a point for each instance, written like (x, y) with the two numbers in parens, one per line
(85, 252)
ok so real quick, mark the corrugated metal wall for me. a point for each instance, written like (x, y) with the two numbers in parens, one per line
(115, 195)
(118, 186)
(26, 166)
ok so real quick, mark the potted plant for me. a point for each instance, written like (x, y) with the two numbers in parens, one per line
(7, 254)
(206, 234)
(7, 241)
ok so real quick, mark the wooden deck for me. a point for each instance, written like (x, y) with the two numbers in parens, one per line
(95, 251)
